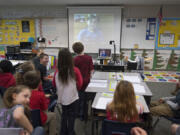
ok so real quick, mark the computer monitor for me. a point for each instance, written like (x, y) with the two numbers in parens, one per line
(104, 52)
(25, 46)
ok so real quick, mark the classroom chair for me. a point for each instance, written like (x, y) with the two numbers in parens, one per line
(10, 131)
(110, 127)
(36, 118)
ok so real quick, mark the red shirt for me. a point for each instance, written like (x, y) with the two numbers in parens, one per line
(85, 65)
(79, 80)
(39, 101)
(110, 117)
(40, 88)
(7, 80)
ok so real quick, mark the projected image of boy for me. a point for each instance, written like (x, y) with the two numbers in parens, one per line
(92, 33)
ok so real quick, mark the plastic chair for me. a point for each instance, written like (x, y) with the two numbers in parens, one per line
(10, 131)
(110, 127)
(36, 118)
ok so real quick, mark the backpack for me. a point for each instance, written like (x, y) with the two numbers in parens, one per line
(6, 118)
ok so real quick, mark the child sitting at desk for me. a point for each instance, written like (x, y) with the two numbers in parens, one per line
(124, 107)
(38, 101)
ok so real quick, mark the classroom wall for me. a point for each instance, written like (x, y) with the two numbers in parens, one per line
(60, 12)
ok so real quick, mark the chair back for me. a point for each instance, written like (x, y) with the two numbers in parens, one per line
(36, 118)
(110, 127)
(10, 131)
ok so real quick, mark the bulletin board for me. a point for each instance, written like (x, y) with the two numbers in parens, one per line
(138, 33)
(12, 32)
(168, 34)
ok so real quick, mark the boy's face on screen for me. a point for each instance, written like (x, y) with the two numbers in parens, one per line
(92, 24)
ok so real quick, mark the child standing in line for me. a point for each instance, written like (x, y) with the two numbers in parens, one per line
(85, 65)
(16, 100)
(67, 80)
(6, 77)
(39, 101)
(124, 107)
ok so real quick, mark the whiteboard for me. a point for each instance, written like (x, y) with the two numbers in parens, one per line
(134, 34)
(55, 31)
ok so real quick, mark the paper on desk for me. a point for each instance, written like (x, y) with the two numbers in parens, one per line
(98, 81)
(119, 76)
(108, 95)
(139, 88)
(132, 78)
(100, 85)
(112, 85)
(102, 102)
(112, 75)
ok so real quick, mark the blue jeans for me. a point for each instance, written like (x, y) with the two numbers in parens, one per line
(38, 131)
(69, 114)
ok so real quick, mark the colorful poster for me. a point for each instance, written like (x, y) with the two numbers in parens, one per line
(168, 34)
(12, 32)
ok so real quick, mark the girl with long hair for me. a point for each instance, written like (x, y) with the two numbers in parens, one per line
(17, 114)
(124, 107)
(67, 80)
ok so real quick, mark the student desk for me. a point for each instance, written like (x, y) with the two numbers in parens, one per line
(106, 80)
